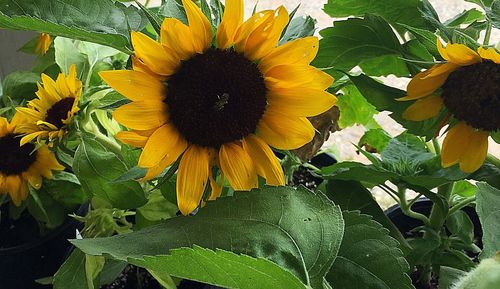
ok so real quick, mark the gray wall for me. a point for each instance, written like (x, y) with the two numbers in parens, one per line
(10, 59)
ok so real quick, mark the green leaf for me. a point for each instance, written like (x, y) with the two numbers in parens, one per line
(449, 276)
(45, 209)
(156, 210)
(488, 209)
(405, 155)
(487, 173)
(299, 27)
(368, 258)
(355, 171)
(460, 225)
(453, 258)
(464, 189)
(385, 65)
(297, 229)
(375, 138)
(482, 3)
(65, 189)
(134, 173)
(352, 41)
(173, 9)
(72, 272)
(67, 54)
(221, 268)
(20, 85)
(493, 13)
(350, 196)
(96, 168)
(102, 22)
(395, 11)
(354, 108)
(466, 17)
(384, 97)
(427, 38)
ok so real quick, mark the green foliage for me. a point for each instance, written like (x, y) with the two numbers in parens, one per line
(351, 195)
(221, 268)
(464, 189)
(488, 209)
(45, 209)
(352, 41)
(72, 272)
(354, 109)
(396, 11)
(20, 85)
(368, 257)
(484, 276)
(376, 138)
(297, 229)
(96, 167)
(299, 27)
(102, 22)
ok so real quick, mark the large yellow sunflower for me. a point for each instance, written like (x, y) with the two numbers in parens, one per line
(221, 104)
(468, 87)
(43, 43)
(20, 165)
(48, 115)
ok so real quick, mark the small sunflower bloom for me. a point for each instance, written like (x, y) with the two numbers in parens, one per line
(48, 115)
(221, 104)
(43, 43)
(21, 165)
(467, 86)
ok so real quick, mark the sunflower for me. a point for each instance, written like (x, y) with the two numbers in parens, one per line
(43, 43)
(219, 105)
(22, 164)
(467, 86)
(48, 115)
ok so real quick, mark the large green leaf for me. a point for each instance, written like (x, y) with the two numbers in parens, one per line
(72, 272)
(352, 41)
(368, 258)
(20, 85)
(354, 108)
(295, 228)
(102, 22)
(395, 11)
(222, 268)
(96, 167)
(351, 195)
(488, 209)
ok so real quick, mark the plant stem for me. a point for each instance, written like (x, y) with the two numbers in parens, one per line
(493, 159)
(463, 203)
(146, 3)
(437, 147)
(394, 197)
(406, 207)
(437, 216)
(487, 35)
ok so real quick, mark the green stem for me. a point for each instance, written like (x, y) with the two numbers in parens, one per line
(146, 3)
(394, 197)
(437, 216)
(463, 203)
(437, 147)
(406, 207)
(493, 159)
(487, 35)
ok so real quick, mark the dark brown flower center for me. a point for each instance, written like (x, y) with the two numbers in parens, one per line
(15, 159)
(59, 111)
(216, 97)
(472, 94)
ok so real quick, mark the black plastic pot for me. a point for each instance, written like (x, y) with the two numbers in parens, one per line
(21, 265)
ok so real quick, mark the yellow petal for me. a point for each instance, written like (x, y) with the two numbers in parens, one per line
(461, 54)
(13, 184)
(442, 50)
(74, 84)
(421, 85)
(216, 188)
(476, 152)
(455, 144)
(177, 36)
(445, 68)
(266, 162)
(142, 115)
(153, 54)
(301, 51)
(29, 137)
(424, 108)
(35, 181)
(285, 76)
(490, 54)
(62, 85)
(238, 167)
(266, 36)
(164, 143)
(245, 29)
(135, 85)
(132, 138)
(232, 19)
(285, 132)
(199, 25)
(51, 87)
(192, 178)
(300, 101)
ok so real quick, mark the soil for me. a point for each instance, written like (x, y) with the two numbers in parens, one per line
(303, 177)
(133, 277)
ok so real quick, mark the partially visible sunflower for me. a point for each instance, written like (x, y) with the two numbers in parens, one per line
(20, 165)
(43, 43)
(467, 86)
(220, 105)
(48, 115)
